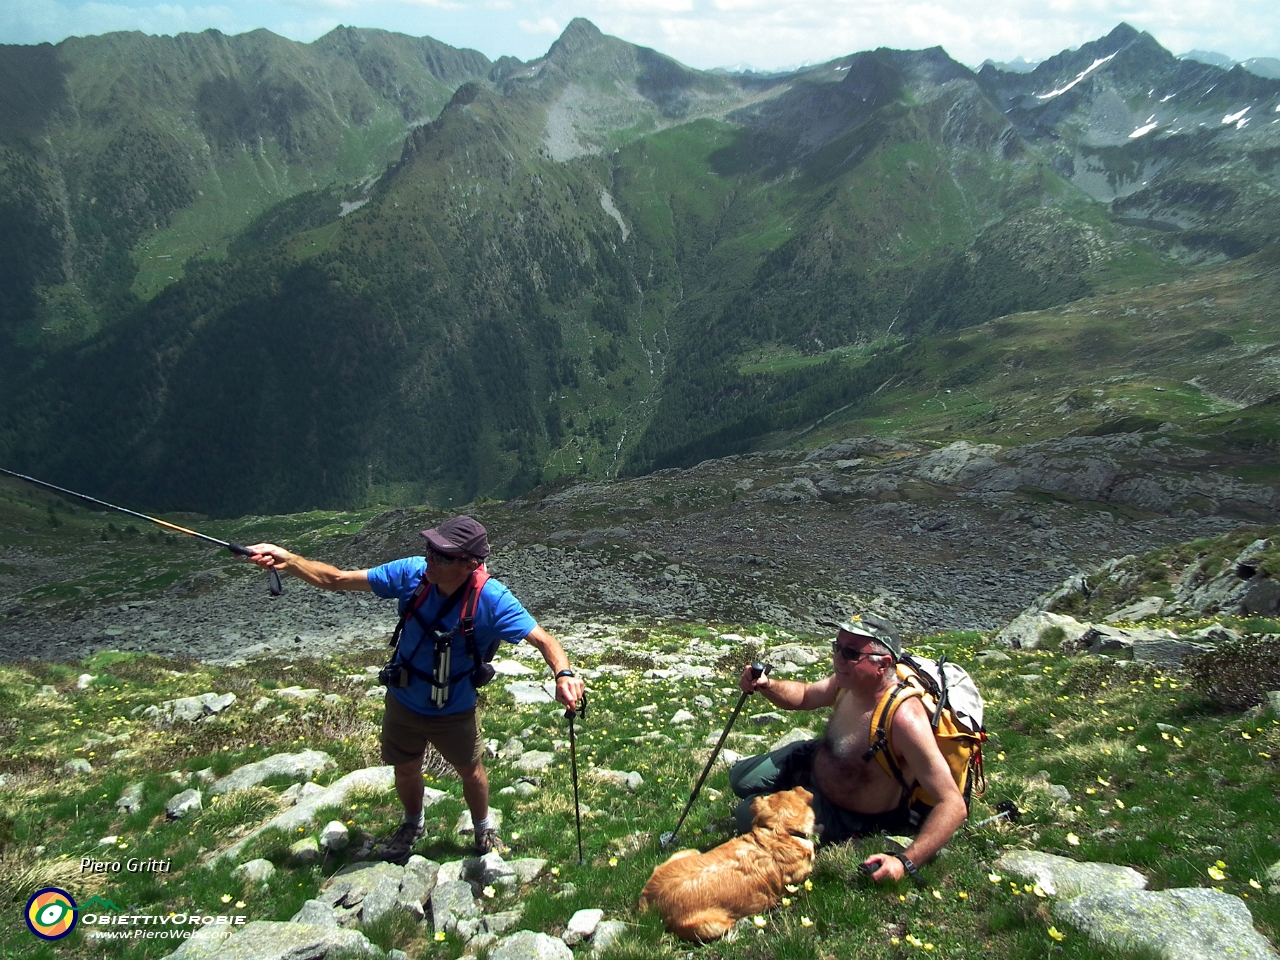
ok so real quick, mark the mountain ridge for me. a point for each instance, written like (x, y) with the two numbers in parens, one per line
(622, 258)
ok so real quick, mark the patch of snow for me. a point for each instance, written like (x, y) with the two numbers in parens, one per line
(1234, 117)
(1083, 73)
(1169, 97)
(1143, 131)
(344, 208)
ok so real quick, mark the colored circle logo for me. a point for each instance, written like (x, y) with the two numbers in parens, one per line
(51, 913)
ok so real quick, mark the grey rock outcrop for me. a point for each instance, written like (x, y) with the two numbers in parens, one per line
(1028, 629)
(305, 852)
(1139, 610)
(451, 903)
(371, 890)
(1182, 924)
(316, 913)
(335, 836)
(276, 940)
(300, 766)
(530, 691)
(630, 780)
(795, 735)
(301, 815)
(605, 934)
(256, 871)
(1063, 877)
(527, 945)
(131, 800)
(183, 803)
(191, 709)
(581, 926)
(534, 760)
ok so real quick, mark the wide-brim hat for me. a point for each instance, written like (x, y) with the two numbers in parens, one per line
(459, 535)
(872, 627)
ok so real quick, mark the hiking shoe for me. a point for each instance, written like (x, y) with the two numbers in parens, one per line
(400, 844)
(490, 841)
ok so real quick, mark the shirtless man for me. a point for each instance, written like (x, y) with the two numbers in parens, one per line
(854, 797)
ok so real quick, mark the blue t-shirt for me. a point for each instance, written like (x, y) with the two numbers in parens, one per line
(499, 616)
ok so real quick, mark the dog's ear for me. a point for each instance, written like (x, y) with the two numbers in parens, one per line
(764, 810)
(804, 795)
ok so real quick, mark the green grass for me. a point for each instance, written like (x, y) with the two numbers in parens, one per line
(1159, 780)
(1168, 353)
(103, 556)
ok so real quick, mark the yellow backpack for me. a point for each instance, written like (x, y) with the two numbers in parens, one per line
(955, 709)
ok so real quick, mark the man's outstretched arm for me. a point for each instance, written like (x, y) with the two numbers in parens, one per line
(322, 575)
(789, 694)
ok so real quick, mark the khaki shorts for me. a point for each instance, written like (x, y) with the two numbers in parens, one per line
(405, 735)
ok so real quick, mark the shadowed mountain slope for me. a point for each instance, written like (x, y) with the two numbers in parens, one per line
(589, 265)
(123, 156)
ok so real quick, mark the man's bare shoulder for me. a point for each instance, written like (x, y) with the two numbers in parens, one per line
(913, 723)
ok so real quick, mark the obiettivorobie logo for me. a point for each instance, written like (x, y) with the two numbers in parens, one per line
(51, 913)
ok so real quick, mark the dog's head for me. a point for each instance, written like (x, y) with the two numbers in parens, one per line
(790, 811)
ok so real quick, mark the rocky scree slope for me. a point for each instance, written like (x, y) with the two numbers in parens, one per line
(958, 537)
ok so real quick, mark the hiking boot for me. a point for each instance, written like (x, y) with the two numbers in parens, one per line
(490, 841)
(400, 844)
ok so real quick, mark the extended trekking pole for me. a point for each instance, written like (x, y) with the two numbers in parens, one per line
(277, 588)
(757, 669)
(1008, 811)
(579, 709)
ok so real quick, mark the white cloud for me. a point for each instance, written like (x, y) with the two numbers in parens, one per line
(545, 26)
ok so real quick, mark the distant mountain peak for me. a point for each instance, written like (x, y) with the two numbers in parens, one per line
(579, 37)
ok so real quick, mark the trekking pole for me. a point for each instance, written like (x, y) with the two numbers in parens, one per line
(757, 669)
(577, 710)
(277, 588)
(1008, 810)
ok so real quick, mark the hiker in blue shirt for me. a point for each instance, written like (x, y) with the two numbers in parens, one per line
(431, 680)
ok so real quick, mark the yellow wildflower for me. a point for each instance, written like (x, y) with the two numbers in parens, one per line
(1057, 934)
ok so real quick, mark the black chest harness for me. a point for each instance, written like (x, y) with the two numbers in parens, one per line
(441, 679)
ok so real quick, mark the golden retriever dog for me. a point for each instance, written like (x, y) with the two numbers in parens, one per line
(702, 895)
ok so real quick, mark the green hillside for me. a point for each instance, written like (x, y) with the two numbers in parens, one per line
(123, 157)
(604, 263)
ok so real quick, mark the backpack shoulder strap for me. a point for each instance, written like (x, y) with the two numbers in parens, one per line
(467, 619)
(882, 723)
(415, 601)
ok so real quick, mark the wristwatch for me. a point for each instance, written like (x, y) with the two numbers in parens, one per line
(912, 871)
(565, 673)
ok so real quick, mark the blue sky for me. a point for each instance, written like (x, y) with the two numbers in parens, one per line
(765, 34)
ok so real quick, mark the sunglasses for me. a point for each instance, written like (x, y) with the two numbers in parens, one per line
(444, 559)
(852, 655)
